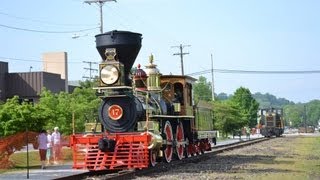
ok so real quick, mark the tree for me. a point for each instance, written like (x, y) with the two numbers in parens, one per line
(88, 84)
(222, 96)
(313, 112)
(15, 117)
(58, 109)
(51, 110)
(294, 114)
(268, 100)
(85, 105)
(227, 116)
(248, 106)
(202, 90)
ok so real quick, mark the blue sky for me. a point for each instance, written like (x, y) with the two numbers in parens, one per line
(241, 34)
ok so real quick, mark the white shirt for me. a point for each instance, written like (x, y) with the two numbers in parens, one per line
(49, 138)
(55, 138)
(42, 140)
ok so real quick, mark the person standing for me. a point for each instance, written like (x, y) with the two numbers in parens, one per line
(49, 148)
(42, 140)
(56, 145)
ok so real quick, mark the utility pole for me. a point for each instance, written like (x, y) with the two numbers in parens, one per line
(305, 118)
(212, 78)
(100, 4)
(181, 54)
(90, 69)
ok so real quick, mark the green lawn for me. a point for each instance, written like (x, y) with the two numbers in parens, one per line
(20, 159)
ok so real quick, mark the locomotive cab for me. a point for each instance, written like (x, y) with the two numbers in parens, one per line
(178, 90)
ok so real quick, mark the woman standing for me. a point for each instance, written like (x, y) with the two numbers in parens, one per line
(49, 148)
(42, 140)
(56, 146)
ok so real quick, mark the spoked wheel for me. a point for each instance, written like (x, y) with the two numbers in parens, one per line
(167, 130)
(180, 141)
(152, 158)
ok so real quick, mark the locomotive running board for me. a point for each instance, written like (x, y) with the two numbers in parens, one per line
(168, 116)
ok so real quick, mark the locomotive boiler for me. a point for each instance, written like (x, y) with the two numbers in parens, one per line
(147, 117)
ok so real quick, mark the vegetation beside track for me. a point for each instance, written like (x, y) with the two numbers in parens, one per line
(19, 159)
(299, 159)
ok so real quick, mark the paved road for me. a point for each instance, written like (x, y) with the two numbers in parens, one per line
(51, 172)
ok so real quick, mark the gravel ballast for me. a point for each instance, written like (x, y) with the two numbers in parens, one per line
(289, 157)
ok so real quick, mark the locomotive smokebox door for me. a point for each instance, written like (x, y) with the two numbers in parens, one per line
(120, 114)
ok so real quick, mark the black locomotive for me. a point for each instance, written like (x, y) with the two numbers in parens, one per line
(147, 117)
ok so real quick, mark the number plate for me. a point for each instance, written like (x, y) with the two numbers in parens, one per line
(115, 112)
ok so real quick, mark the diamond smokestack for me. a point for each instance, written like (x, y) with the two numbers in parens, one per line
(127, 45)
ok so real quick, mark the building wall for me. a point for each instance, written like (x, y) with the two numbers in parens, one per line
(29, 85)
(3, 74)
(53, 82)
(26, 85)
(56, 62)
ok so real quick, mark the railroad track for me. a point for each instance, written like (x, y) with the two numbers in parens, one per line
(160, 167)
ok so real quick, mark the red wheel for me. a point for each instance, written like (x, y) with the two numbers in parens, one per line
(152, 158)
(180, 141)
(167, 130)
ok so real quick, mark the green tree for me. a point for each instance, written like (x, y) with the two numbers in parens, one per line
(313, 112)
(227, 116)
(58, 109)
(88, 84)
(294, 114)
(84, 105)
(248, 106)
(222, 96)
(268, 100)
(202, 90)
(46, 107)
(16, 116)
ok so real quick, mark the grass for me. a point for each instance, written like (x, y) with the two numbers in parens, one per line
(20, 159)
(298, 160)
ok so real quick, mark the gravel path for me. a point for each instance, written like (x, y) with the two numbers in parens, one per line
(270, 159)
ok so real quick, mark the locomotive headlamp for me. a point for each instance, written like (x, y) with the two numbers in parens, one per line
(109, 74)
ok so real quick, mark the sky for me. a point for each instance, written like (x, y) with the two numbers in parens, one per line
(251, 35)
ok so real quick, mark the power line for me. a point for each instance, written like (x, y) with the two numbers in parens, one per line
(233, 71)
(181, 54)
(33, 60)
(41, 31)
(100, 3)
(42, 22)
(90, 69)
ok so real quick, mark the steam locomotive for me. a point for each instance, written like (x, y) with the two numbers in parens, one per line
(147, 117)
(271, 122)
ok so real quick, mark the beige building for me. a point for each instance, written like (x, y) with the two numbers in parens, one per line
(56, 62)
